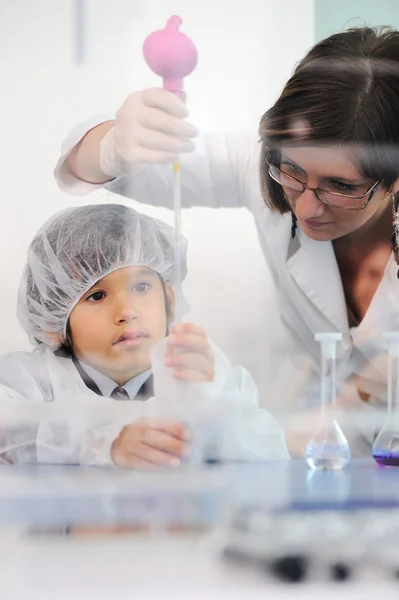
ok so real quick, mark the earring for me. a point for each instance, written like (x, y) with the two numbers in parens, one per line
(293, 225)
(395, 233)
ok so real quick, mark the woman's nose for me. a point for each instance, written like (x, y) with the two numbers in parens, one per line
(308, 206)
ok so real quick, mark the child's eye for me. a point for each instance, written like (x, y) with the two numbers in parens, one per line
(96, 297)
(141, 286)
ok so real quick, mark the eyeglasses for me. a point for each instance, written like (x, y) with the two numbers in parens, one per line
(345, 201)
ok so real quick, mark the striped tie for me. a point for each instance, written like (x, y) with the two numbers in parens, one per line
(119, 393)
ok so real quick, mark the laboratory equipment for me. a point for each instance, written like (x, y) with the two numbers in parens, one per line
(386, 444)
(328, 449)
(336, 543)
(172, 55)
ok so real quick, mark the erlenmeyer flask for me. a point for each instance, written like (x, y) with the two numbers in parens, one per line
(386, 444)
(328, 449)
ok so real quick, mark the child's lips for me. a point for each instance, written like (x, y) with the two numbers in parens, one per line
(130, 339)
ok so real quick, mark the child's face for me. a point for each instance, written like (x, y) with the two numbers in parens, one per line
(118, 321)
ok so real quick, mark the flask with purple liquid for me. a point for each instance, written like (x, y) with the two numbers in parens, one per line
(386, 444)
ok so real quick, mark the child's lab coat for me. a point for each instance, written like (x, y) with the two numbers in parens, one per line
(48, 415)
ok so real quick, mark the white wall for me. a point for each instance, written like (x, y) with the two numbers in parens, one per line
(247, 50)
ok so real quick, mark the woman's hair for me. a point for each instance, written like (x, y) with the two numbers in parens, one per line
(344, 92)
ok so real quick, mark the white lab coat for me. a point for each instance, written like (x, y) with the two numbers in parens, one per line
(223, 172)
(48, 415)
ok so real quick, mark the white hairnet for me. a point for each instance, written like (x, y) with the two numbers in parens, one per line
(77, 247)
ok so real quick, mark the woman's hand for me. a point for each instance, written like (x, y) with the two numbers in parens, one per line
(150, 127)
(189, 353)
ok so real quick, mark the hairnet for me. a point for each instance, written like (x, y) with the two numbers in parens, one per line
(79, 246)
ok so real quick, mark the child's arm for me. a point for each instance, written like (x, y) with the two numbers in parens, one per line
(224, 398)
(74, 432)
(150, 443)
(49, 433)
(77, 428)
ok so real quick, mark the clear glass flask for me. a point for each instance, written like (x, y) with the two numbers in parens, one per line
(386, 444)
(328, 449)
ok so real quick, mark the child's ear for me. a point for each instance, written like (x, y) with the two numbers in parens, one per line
(395, 187)
(170, 302)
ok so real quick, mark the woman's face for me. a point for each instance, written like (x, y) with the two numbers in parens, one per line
(330, 168)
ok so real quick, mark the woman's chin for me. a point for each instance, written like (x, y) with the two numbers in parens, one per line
(322, 234)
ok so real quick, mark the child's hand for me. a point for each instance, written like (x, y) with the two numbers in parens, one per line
(149, 443)
(194, 360)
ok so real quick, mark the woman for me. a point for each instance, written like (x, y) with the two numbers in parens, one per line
(326, 212)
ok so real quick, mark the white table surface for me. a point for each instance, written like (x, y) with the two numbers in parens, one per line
(131, 568)
(159, 566)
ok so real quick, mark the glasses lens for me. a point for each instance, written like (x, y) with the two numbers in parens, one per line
(285, 180)
(341, 201)
(354, 199)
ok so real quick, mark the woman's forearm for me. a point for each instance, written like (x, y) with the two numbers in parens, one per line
(84, 160)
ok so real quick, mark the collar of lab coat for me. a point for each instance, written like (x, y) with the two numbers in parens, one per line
(314, 268)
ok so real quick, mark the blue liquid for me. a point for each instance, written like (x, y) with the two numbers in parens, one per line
(386, 458)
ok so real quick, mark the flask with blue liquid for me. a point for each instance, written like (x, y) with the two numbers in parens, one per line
(328, 449)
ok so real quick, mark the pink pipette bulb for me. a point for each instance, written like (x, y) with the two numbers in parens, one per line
(170, 54)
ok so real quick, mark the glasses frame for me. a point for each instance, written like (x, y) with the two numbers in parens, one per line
(370, 191)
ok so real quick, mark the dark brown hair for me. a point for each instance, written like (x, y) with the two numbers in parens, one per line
(346, 90)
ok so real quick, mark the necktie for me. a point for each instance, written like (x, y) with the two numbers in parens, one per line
(119, 393)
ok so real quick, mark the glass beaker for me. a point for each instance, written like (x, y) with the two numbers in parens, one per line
(328, 449)
(386, 444)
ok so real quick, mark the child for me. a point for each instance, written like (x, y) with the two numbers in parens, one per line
(96, 298)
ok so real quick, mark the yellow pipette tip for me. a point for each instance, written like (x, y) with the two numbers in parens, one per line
(176, 168)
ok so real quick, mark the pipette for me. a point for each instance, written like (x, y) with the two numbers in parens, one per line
(328, 449)
(172, 55)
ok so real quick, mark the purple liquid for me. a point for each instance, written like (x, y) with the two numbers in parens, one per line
(385, 458)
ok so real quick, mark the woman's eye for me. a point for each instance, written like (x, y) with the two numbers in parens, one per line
(96, 297)
(293, 169)
(141, 286)
(344, 188)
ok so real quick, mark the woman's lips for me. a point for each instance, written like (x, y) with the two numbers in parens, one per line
(315, 224)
